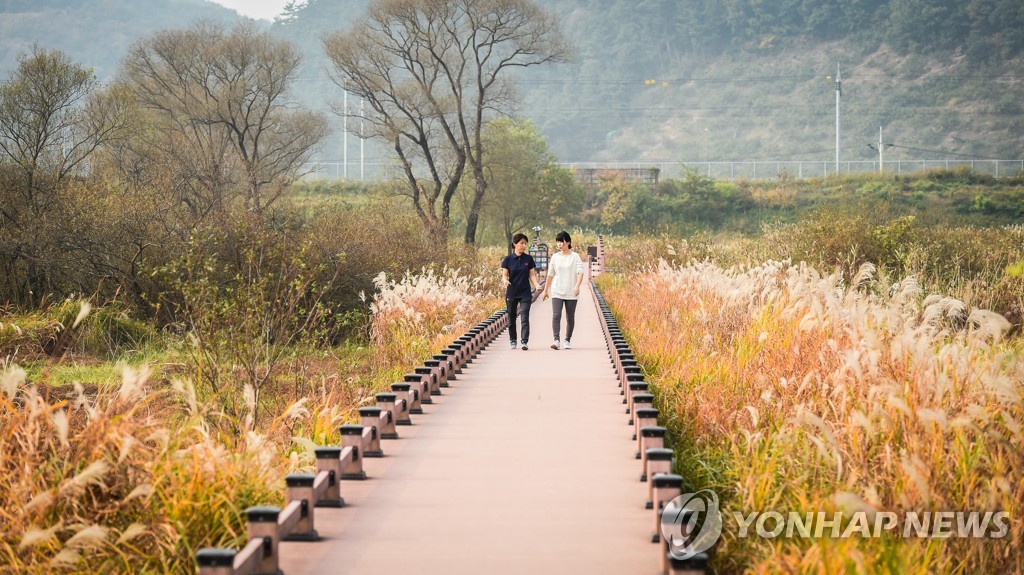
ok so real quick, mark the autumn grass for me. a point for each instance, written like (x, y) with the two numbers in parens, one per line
(137, 474)
(417, 315)
(788, 389)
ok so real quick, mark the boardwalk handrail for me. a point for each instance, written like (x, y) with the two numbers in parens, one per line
(268, 526)
(656, 460)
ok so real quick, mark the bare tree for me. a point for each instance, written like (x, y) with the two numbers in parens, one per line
(433, 72)
(53, 118)
(226, 92)
(49, 125)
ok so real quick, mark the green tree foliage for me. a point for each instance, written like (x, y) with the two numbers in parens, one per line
(922, 24)
(694, 203)
(527, 187)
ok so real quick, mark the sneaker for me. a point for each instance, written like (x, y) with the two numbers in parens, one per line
(567, 345)
(524, 347)
(555, 345)
(511, 345)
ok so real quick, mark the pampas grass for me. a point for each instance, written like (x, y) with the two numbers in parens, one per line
(789, 389)
(137, 476)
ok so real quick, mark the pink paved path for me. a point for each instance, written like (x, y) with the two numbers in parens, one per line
(524, 466)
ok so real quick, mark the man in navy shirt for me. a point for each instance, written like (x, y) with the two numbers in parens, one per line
(520, 273)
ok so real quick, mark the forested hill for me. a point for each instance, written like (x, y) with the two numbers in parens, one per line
(673, 80)
(746, 79)
(96, 33)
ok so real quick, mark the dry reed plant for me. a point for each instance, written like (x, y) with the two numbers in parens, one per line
(120, 482)
(421, 313)
(132, 479)
(792, 390)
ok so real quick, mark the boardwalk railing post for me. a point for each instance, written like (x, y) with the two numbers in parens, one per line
(695, 565)
(437, 373)
(447, 371)
(451, 353)
(387, 403)
(216, 561)
(301, 489)
(675, 525)
(263, 527)
(650, 437)
(356, 437)
(328, 460)
(641, 401)
(626, 361)
(659, 462)
(636, 385)
(411, 397)
(461, 355)
(372, 417)
(427, 379)
(665, 488)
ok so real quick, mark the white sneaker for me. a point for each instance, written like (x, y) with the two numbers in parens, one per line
(512, 345)
(556, 345)
(567, 345)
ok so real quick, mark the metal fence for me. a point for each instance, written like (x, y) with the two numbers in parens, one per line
(766, 170)
(719, 170)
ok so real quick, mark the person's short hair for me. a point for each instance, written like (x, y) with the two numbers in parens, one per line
(563, 236)
(519, 237)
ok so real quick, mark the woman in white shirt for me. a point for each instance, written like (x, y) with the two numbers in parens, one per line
(565, 276)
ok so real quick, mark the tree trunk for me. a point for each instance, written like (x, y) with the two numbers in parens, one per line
(474, 211)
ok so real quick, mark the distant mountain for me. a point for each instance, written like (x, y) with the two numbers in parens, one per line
(675, 80)
(96, 33)
(691, 80)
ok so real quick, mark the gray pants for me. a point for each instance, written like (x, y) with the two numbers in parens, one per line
(556, 316)
(518, 306)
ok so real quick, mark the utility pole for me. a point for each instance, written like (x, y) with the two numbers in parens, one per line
(362, 141)
(344, 135)
(880, 148)
(839, 91)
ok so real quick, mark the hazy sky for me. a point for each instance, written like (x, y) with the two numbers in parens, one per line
(265, 9)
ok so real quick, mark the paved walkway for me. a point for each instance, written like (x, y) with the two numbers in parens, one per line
(524, 466)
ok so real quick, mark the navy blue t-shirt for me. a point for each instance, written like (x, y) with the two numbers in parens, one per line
(518, 274)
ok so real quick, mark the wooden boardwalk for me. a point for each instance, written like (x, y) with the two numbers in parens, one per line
(524, 465)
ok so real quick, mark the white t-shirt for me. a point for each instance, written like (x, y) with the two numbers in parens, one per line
(565, 269)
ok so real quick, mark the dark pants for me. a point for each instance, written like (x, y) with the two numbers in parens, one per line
(556, 316)
(520, 305)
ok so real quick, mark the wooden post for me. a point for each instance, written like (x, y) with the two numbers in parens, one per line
(666, 487)
(357, 437)
(452, 353)
(640, 401)
(300, 488)
(428, 380)
(437, 373)
(387, 402)
(216, 561)
(447, 370)
(411, 397)
(328, 459)
(372, 417)
(643, 417)
(650, 436)
(637, 385)
(263, 526)
(659, 462)
(678, 565)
